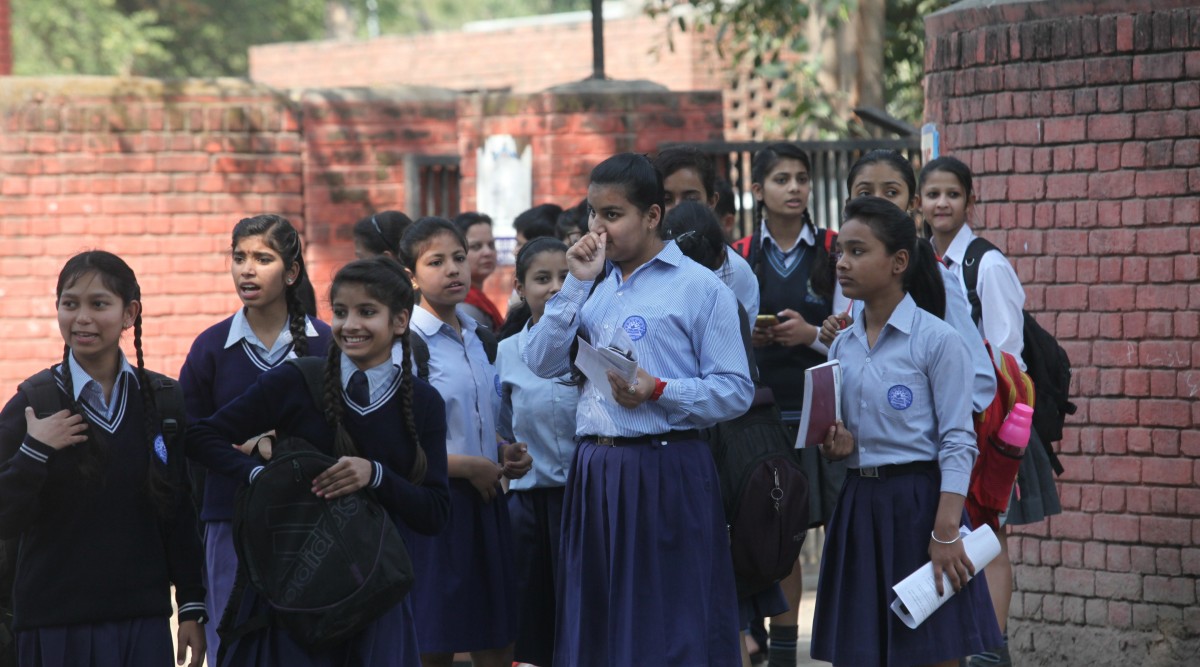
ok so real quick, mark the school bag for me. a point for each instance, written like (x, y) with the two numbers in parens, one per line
(748, 246)
(420, 350)
(43, 395)
(326, 568)
(763, 488)
(994, 473)
(1046, 361)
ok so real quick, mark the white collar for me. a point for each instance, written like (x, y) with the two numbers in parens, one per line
(239, 329)
(80, 377)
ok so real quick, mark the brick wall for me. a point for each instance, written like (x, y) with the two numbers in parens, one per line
(159, 172)
(356, 148)
(524, 59)
(572, 129)
(1080, 120)
(5, 38)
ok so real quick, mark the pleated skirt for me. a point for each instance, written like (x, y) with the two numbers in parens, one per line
(646, 574)
(878, 535)
(537, 526)
(138, 642)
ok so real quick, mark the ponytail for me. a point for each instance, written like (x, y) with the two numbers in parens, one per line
(922, 279)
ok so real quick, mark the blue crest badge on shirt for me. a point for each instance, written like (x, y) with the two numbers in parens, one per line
(900, 397)
(635, 326)
(160, 448)
(497, 383)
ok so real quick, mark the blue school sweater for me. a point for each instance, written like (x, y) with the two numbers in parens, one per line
(93, 551)
(214, 375)
(279, 399)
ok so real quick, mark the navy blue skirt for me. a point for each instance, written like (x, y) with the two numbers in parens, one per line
(536, 527)
(646, 575)
(465, 591)
(879, 534)
(138, 642)
(390, 641)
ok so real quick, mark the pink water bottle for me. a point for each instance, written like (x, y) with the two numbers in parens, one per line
(1014, 432)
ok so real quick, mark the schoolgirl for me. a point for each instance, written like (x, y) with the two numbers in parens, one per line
(267, 266)
(889, 175)
(464, 576)
(688, 175)
(539, 412)
(97, 497)
(476, 228)
(646, 572)
(379, 234)
(910, 446)
(387, 429)
(791, 259)
(947, 201)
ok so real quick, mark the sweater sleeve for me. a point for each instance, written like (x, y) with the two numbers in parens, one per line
(23, 472)
(424, 507)
(185, 556)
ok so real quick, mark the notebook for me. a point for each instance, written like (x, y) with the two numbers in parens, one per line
(822, 403)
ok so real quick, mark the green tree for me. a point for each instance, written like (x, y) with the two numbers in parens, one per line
(85, 37)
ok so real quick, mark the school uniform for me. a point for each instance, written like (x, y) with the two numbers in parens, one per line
(958, 315)
(539, 412)
(903, 401)
(1002, 324)
(224, 360)
(464, 585)
(279, 399)
(97, 559)
(645, 573)
(738, 276)
(785, 281)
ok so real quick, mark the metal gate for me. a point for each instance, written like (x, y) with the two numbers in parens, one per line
(831, 162)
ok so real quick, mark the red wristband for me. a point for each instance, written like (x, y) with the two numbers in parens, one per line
(659, 387)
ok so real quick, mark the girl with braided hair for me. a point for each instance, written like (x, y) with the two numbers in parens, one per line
(384, 424)
(96, 493)
(267, 266)
(464, 584)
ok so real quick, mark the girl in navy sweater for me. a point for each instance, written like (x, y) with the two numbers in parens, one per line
(97, 497)
(267, 264)
(388, 429)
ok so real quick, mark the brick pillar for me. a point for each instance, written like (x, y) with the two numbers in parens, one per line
(1080, 121)
(573, 128)
(5, 38)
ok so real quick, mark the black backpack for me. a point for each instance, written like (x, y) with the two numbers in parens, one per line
(1046, 361)
(43, 395)
(420, 349)
(327, 569)
(763, 488)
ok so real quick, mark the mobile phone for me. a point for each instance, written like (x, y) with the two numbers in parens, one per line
(766, 321)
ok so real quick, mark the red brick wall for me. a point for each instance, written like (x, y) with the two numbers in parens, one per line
(155, 173)
(524, 59)
(571, 131)
(1080, 120)
(355, 146)
(5, 38)
(160, 172)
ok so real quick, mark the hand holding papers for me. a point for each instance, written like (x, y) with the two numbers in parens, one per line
(596, 362)
(916, 595)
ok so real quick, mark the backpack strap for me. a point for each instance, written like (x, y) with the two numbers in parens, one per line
(974, 255)
(168, 400)
(42, 393)
(828, 236)
(742, 247)
(490, 344)
(313, 370)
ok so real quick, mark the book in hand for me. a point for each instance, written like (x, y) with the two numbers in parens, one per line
(822, 403)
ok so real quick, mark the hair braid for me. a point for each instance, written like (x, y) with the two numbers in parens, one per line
(158, 483)
(297, 321)
(343, 444)
(420, 464)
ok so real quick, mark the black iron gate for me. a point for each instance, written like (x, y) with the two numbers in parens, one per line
(831, 162)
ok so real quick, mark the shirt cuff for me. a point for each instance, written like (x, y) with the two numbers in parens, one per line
(955, 481)
(254, 473)
(376, 475)
(575, 290)
(193, 611)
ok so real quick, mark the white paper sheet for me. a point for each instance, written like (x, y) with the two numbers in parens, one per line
(916, 595)
(595, 364)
